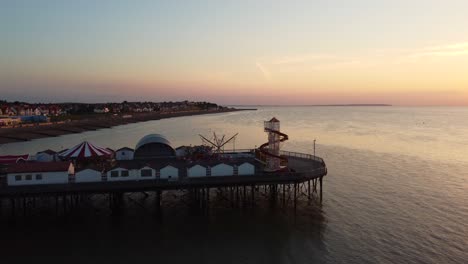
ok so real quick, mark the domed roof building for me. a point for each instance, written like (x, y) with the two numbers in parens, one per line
(154, 146)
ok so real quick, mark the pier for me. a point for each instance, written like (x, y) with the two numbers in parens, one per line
(201, 173)
(285, 187)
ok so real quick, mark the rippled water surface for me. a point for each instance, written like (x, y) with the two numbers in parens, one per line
(396, 192)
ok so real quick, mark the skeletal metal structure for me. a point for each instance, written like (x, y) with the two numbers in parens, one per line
(218, 143)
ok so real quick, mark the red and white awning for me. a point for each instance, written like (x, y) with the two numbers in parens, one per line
(85, 150)
(12, 159)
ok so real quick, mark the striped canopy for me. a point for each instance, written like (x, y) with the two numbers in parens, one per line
(12, 159)
(85, 150)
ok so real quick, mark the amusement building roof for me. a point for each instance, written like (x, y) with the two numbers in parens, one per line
(153, 138)
(85, 150)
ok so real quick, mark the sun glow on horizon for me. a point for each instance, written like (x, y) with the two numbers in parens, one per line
(204, 51)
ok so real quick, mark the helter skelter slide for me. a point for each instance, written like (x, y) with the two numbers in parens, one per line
(271, 149)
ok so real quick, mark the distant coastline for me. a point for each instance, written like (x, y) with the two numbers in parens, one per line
(30, 132)
(351, 105)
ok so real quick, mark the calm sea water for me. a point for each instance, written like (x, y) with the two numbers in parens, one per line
(396, 192)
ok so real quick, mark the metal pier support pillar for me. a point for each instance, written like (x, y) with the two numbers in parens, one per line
(207, 199)
(158, 201)
(273, 194)
(284, 195)
(202, 198)
(243, 196)
(252, 190)
(231, 190)
(321, 189)
(295, 196)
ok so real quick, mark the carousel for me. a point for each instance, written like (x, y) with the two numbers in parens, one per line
(86, 151)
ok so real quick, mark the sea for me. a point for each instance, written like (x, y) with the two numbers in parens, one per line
(396, 192)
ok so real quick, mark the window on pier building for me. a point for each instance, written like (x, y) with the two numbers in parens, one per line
(28, 177)
(146, 173)
(38, 176)
(18, 178)
(124, 173)
(114, 174)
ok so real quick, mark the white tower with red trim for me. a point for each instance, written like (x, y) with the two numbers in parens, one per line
(273, 161)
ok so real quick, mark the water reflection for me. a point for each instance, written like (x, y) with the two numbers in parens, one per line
(395, 192)
(266, 233)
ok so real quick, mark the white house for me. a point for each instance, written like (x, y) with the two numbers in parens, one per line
(12, 111)
(169, 172)
(46, 156)
(222, 170)
(196, 171)
(33, 173)
(9, 121)
(101, 110)
(146, 173)
(124, 154)
(38, 111)
(122, 174)
(246, 169)
(88, 175)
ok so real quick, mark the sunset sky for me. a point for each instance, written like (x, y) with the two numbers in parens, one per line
(398, 52)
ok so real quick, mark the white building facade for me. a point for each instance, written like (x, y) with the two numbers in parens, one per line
(124, 154)
(222, 170)
(169, 172)
(122, 174)
(39, 174)
(196, 171)
(88, 175)
(246, 169)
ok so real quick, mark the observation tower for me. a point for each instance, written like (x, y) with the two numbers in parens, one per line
(271, 149)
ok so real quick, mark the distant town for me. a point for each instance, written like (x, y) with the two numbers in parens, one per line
(16, 113)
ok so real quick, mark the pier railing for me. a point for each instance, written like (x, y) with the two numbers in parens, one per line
(301, 155)
(308, 173)
(283, 153)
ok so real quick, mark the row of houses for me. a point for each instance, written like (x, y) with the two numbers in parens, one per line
(146, 107)
(8, 121)
(29, 110)
(37, 173)
(26, 109)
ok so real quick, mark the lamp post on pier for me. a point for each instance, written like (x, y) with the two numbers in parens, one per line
(314, 146)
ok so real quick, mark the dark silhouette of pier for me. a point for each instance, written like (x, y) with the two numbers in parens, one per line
(304, 179)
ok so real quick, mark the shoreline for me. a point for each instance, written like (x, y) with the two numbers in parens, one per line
(22, 134)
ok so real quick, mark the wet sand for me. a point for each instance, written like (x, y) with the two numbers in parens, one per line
(18, 134)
